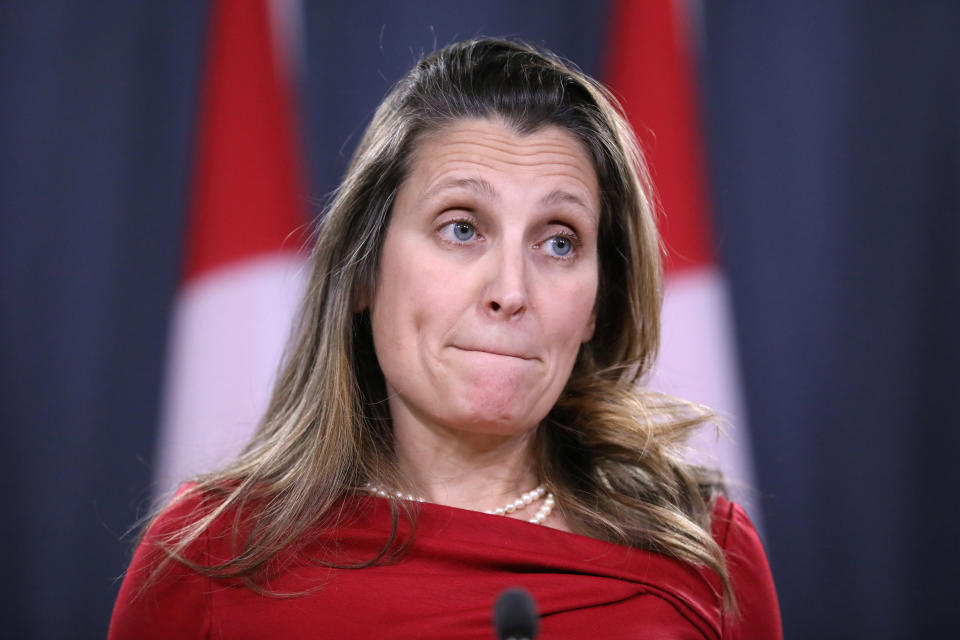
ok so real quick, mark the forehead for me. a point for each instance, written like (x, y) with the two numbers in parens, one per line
(546, 158)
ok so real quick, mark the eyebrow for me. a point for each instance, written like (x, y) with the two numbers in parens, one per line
(483, 188)
(559, 196)
(478, 185)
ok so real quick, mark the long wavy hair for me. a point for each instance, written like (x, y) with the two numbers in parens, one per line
(609, 450)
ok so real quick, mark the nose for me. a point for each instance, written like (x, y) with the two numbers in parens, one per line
(506, 295)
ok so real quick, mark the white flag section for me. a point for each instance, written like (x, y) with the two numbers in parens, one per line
(228, 334)
(698, 363)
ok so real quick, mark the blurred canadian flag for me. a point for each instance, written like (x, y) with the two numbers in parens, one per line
(244, 267)
(650, 68)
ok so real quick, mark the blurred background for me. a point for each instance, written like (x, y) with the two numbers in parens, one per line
(159, 163)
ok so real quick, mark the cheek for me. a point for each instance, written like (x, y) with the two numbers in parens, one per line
(571, 313)
(411, 298)
(387, 303)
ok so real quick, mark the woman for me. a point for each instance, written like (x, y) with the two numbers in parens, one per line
(485, 295)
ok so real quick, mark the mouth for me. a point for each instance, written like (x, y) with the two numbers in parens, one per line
(496, 352)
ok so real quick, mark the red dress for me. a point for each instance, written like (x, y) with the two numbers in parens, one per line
(446, 584)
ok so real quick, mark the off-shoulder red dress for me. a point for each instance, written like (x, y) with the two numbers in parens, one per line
(446, 584)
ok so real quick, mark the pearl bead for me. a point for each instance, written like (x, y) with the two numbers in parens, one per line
(523, 501)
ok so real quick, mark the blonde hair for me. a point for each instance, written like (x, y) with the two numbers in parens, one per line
(609, 451)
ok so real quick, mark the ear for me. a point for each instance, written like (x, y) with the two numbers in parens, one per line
(361, 301)
(590, 326)
(361, 297)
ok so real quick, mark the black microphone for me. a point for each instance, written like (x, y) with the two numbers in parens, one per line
(515, 615)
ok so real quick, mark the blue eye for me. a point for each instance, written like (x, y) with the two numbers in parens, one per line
(463, 231)
(561, 245)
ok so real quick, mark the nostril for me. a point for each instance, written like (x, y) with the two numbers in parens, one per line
(495, 305)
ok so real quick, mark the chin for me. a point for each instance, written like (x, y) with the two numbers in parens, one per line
(502, 400)
(505, 416)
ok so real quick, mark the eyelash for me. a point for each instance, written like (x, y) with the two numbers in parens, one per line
(446, 230)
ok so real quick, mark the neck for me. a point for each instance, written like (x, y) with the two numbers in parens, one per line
(463, 469)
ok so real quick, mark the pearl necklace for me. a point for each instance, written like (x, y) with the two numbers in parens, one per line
(513, 506)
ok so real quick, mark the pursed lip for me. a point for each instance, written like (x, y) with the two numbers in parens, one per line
(495, 352)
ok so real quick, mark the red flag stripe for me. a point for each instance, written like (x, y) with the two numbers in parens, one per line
(248, 191)
(649, 67)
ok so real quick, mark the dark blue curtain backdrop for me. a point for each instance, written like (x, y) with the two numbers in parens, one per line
(834, 143)
(96, 112)
(357, 50)
(835, 155)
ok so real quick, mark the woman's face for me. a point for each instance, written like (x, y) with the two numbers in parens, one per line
(488, 277)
